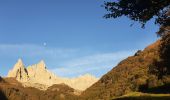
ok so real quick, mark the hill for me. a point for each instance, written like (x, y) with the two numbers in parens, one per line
(11, 89)
(131, 74)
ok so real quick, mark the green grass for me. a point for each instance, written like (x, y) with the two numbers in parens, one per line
(143, 96)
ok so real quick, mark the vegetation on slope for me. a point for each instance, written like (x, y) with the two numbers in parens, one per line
(132, 74)
(13, 90)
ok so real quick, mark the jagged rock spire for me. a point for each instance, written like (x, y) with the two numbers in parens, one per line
(19, 72)
(39, 74)
(41, 65)
(19, 64)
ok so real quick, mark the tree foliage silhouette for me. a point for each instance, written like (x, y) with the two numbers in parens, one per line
(142, 11)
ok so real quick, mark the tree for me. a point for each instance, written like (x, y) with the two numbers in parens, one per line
(142, 11)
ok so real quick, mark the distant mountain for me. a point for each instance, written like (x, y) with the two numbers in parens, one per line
(131, 74)
(19, 72)
(39, 77)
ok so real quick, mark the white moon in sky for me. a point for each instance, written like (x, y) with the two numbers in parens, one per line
(44, 43)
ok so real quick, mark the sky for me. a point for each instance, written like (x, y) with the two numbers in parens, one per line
(71, 36)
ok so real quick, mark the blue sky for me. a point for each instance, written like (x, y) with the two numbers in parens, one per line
(71, 36)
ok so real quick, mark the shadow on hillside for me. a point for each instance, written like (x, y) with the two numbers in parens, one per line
(1, 80)
(145, 98)
(2, 96)
(165, 89)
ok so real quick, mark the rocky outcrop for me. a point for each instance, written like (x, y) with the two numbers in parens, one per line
(19, 72)
(39, 77)
(39, 74)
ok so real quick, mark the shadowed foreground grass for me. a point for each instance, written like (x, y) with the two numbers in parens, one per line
(144, 96)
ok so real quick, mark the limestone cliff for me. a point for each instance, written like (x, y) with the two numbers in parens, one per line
(39, 77)
(19, 72)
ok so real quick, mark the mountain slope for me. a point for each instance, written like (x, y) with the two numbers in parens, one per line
(13, 90)
(132, 74)
(1, 80)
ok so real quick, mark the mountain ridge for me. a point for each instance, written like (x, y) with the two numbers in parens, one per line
(40, 77)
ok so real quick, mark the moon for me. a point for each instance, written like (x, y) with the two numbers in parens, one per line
(45, 44)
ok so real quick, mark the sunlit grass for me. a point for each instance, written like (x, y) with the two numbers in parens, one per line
(143, 96)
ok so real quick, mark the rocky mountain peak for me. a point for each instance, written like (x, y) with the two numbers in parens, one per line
(40, 77)
(41, 65)
(19, 64)
(19, 71)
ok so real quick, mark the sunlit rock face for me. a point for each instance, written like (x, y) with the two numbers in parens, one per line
(82, 82)
(19, 72)
(39, 74)
(39, 77)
